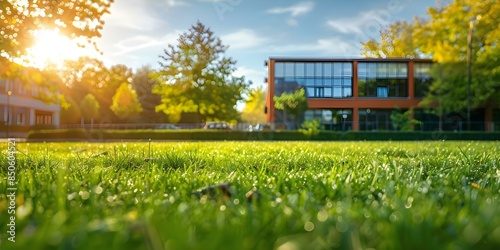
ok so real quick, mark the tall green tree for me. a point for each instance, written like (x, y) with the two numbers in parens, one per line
(125, 102)
(253, 112)
(90, 108)
(197, 77)
(294, 104)
(143, 85)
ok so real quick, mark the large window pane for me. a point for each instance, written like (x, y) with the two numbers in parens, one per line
(337, 81)
(402, 70)
(309, 69)
(319, 70)
(392, 69)
(300, 70)
(328, 92)
(310, 92)
(279, 69)
(347, 67)
(289, 69)
(371, 70)
(382, 70)
(327, 82)
(362, 71)
(310, 82)
(327, 69)
(347, 92)
(337, 92)
(337, 69)
(347, 81)
(319, 82)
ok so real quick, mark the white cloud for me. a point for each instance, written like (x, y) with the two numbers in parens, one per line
(140, 42)
(294, 10)
(367, 23)
(327, 47)
(242, 39)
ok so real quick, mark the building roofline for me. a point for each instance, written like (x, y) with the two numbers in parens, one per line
(344, 59)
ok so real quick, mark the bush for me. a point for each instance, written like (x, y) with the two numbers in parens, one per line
(279, 135)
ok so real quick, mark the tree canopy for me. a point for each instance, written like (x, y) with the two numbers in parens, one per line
(73, 19)
(294, 104)
(443, 35)
(253, 112)
(197, 77)
(125, 102)
(90, 107)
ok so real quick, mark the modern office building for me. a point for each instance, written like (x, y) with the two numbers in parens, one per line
(20, 110)
(361, 94)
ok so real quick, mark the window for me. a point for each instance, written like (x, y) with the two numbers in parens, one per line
(300, 70)
(309, 69)
(337, 69)
(20, 119)
(319, 70)
(319, 92)
(347, 67)
(422, 78)
(289, 69)
(382, 92)
(279, 69)
(43, 119)
(327, 69)
(383, 79)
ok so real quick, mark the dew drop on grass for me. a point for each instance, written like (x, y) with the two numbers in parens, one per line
(84, 194)
(309, 226)
(98, 190)
(322, 216)
(71, 196)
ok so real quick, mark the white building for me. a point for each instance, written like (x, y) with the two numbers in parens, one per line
(21, 111)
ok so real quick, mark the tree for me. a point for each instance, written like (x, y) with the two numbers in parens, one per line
(294, 104)
(88, 75)
(90, 108)
(254, 108)
(77, 20)
(403, 121)
(143, 85)
(443, 36)
(196, 77)
(80, 20)
(396, 40)
(125, 102)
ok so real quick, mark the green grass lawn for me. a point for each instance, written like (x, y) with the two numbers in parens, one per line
(281, 195)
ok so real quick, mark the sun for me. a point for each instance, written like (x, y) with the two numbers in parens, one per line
(53, 48)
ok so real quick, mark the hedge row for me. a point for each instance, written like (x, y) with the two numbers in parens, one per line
(207, 135)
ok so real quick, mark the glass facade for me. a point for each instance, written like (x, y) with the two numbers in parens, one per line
(375, 119)
(319, 79)
(383, 79)
(422, 78)
(331, 119)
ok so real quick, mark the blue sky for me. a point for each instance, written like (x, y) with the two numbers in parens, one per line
(136, 31)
